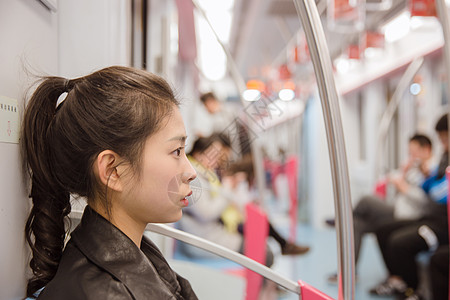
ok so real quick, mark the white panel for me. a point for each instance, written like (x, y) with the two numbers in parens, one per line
(28, 35)
(93, 35)
(321, 197)
(9, 120)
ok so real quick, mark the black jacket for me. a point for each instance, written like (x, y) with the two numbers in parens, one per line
(101, 262)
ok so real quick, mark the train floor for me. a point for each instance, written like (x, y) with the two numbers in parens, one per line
(317, 265)
(321, 261)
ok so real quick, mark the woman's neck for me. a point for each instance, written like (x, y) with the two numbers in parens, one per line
(125, 223)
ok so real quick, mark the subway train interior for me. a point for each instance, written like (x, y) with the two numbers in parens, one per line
(318, 102)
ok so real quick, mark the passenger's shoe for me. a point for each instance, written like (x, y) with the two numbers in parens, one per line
(293, 249)
(333, 279)
(409, 294)
(390, 287)
(330, 222)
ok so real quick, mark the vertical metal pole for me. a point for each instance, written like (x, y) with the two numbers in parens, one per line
(443, 15)
(310, 19)
(390, 110)
(137, 34)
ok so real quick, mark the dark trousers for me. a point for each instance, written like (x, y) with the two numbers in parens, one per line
(368, 215)
(400, 242)
(272, 232)
(439, 264)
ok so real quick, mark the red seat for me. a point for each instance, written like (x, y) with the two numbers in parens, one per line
(291, 173)
(256, 230)
(307, 292)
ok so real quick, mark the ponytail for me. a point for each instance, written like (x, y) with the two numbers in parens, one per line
(115, 108)
(45, 228)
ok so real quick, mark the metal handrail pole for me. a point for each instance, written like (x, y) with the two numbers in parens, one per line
(226, 253)
(389, 112)
(444, 18)
(315, 36)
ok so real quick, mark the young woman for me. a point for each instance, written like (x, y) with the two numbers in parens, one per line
(115, 137)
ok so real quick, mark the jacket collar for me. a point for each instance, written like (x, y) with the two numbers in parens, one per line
(143, 271)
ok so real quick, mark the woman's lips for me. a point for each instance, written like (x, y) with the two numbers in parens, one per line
(185, 201)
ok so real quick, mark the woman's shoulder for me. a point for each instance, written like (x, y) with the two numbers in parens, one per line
(79, 278)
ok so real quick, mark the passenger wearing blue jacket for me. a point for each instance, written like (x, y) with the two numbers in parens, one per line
(401, 241)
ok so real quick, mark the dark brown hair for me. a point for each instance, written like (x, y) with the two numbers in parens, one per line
(206, 96)
(202, 143)
(422, 140)
(442, 124)
(116, 108)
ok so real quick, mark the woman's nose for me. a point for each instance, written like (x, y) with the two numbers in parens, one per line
(190, 173)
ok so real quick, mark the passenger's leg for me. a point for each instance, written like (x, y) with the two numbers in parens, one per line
(439, 265)
(383, 234)
(369, 214)
(273, 233)
(373, 209)
(393, 284)
(287, 248)
(403, 246)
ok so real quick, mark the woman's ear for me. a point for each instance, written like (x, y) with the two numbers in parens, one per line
(106, 168)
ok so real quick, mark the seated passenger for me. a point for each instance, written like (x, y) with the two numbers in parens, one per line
(240, 177)
(400, 241)
(205, 217)
(117, 139)
(407, 202)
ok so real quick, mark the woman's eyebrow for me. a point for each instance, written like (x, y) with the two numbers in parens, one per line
(181, 138)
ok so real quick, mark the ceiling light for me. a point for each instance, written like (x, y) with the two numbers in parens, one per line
(251, 95)
(286, 94)
(342, 65)
(415, 89)
(397, 28)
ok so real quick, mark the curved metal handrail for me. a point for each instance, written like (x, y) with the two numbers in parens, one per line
(390, 110)
(226, 253)
(315, 36)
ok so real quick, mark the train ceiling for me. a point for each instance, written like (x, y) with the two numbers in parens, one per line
(262, 29)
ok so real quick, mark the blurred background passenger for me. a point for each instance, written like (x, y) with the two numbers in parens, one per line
(217, 215)
(406, 201)
(227, 120)
(400, 241)
(240, 177)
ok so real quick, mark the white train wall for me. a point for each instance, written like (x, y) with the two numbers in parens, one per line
(29, 36)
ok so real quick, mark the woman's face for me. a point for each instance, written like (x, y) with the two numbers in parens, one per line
(417, 152)
(213, 156)
(158, 193)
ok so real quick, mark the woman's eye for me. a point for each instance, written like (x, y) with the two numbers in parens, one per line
(177, 152)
